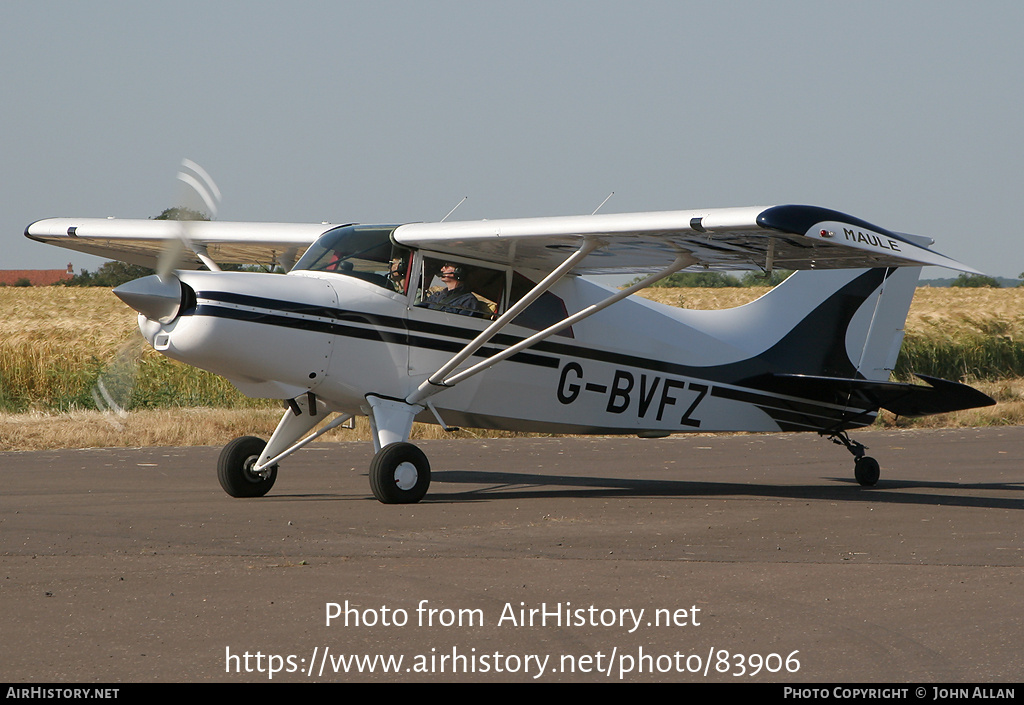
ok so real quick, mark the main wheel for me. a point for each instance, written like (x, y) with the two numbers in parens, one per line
(234, 468)
(399, 474)
(866, 470)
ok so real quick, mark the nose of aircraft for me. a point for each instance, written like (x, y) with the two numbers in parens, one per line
(155, 298)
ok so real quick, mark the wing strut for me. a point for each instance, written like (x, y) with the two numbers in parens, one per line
(443, 378)
(204, 256)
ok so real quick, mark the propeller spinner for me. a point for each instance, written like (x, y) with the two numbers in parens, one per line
(156, 298)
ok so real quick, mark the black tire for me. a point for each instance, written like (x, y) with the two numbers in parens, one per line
(399, 474)
(234, 468)
(866, 470)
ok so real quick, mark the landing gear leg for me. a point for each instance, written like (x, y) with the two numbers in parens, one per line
(248, 465)
(865, 468)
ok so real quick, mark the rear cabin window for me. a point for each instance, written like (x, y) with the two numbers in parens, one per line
(542, 313)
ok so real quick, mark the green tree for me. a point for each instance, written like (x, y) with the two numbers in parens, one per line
(976, 281)
(180, 213)
(714, 280)
(110, 274)
(717, 280)
(776, 277)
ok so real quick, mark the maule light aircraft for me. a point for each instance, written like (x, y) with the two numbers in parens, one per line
(493, 324)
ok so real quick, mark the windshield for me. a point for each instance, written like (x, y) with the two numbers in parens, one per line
(361, 251)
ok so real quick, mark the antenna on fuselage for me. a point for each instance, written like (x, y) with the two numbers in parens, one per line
(603, 202)
(453, 209)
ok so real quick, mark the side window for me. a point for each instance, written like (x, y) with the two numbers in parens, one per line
(465, 289)
(542, 313)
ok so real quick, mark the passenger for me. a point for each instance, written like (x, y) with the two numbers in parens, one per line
(455, 297)
(396, 273)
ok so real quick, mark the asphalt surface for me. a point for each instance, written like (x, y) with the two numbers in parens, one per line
(753, 558)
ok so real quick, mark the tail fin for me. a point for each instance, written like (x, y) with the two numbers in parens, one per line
(845, 323)
(855, 331)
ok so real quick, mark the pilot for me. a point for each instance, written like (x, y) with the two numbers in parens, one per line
(455, 297)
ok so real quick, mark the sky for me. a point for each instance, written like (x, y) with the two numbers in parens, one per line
(904, 114)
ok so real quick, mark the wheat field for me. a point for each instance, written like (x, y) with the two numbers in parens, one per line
(942, 312)
(55, 340)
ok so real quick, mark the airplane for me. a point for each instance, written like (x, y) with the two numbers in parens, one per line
(366, 322)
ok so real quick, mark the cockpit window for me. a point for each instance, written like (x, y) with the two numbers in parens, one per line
(468, 290)
(361, 251)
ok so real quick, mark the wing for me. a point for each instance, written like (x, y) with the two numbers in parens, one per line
(779, 237)
(143, 241)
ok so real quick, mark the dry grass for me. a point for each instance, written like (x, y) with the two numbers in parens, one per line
(705, 299)
(174, 427)
(949, 312)
(150, 427)
(90, 320)
(204, 426)
(53, 340)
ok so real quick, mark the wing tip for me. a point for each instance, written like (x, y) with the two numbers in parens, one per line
(801, 219)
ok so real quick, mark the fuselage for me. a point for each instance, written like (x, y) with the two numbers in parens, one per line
(637, 367)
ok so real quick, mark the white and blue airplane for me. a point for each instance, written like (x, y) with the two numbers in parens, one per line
(494, 324)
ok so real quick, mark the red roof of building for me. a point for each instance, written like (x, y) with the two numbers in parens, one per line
(36, 277)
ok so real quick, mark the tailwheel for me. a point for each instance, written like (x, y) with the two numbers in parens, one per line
(866, 470)
(234, 468)
(399, 474)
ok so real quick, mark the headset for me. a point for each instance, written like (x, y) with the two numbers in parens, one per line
(457, 273)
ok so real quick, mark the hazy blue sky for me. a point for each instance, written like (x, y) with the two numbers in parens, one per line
(906, 114)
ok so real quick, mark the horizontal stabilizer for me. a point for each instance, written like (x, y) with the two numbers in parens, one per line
(941, 396)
